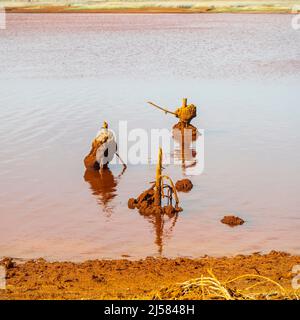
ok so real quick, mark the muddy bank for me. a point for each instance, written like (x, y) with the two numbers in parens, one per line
(124, 279)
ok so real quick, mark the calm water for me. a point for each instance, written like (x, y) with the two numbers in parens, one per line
(62, 75)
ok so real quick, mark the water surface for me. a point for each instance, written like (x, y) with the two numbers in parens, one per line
(61, 75)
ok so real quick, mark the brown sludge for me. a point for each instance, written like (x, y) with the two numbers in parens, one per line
(90, 161)
(145, 204)
(184, 185)
(149, 202)
(232, 221)
(185, 114)
(143, 279)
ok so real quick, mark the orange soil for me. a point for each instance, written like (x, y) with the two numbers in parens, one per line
(124, 279)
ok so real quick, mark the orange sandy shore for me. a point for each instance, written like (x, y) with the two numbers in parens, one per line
(142, 279)
(70, 9)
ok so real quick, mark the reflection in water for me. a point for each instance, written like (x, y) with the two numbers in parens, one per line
(163, 227)
(104, 186)
(185, 152)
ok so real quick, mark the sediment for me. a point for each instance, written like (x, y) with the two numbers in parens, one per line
(141, 279)
(145, 205)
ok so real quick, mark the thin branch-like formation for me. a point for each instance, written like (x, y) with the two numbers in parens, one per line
(172, 187)
(163, 109)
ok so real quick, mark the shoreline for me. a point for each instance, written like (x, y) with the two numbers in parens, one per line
(150, 10)
(152, 7)
(150, 278)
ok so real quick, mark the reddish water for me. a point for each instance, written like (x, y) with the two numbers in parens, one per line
(62, 75)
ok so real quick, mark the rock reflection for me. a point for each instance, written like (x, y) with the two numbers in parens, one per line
(103, 185)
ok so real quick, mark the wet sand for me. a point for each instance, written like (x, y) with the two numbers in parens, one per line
(142, 279)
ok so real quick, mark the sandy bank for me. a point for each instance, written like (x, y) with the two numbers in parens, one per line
(143, 279)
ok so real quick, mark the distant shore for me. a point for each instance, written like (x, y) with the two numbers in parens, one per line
(145, 6)
(153, 10)
(260, 276)
(138, 11)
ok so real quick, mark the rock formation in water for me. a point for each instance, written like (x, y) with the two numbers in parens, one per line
(232, 221)
(150, 201)
(103, 149)
(184, 185)
(185, 114)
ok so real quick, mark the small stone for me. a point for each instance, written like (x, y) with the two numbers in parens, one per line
(184, 185)
(131, 203)
(169, 210)
(232, 221)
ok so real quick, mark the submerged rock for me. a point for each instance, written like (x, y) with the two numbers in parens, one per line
(232, 221)
(184, 185)
(145, 204)
(131, 203)
(103, 149)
